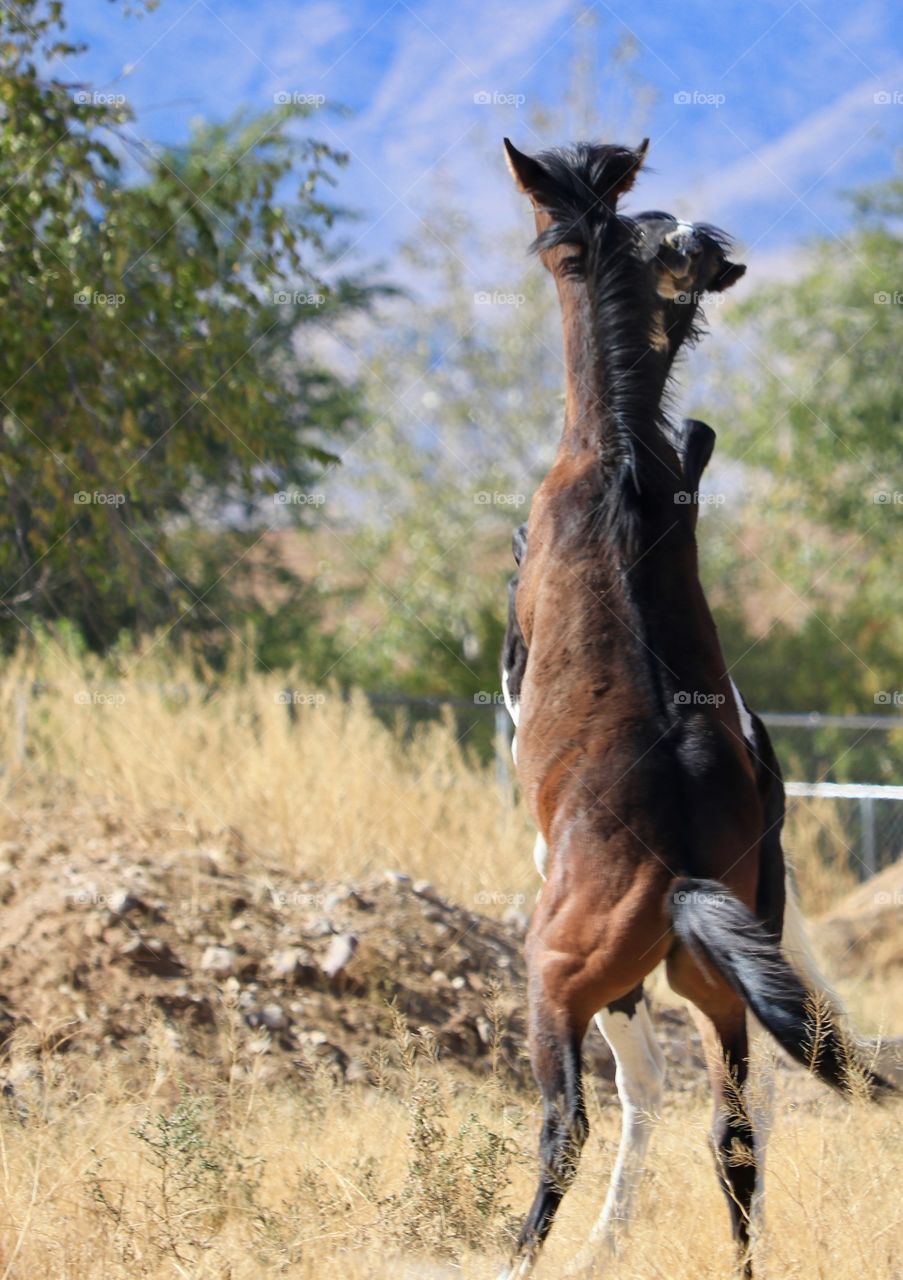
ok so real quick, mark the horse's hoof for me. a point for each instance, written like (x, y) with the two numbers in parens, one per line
(581, 1267)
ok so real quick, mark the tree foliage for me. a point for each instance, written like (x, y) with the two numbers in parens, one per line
(156, 373)
(814, 411)
(801, 559)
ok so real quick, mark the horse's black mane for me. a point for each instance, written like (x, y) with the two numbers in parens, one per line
(724, 241)
(580, 198)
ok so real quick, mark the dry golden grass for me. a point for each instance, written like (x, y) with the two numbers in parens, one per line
(818, 845)
(103, 1180)
(334, 793)
(115, 1169)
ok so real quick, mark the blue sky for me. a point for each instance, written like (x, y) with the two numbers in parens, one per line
(784, 108)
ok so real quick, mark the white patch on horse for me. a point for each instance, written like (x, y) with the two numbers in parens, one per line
(513, 707)
(640, 1075)
(541, 855)
(520, 1270)
(746, 723)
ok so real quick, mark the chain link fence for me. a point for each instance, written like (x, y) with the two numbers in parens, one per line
(859, 824)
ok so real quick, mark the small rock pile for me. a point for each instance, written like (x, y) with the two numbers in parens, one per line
(104, 945)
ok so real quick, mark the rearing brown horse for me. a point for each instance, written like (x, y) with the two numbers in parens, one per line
(631, 754)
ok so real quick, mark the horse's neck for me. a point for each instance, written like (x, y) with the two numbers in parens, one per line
(585, 416)
(599, 381)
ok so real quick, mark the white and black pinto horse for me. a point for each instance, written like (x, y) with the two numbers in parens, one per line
(626, 1025)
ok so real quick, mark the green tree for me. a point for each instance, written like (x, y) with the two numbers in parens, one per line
(802, 562)
(156, 367)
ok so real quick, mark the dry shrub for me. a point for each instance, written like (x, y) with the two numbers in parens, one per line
(320, 787)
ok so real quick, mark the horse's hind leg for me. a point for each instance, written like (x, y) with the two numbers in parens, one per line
(726, 1043)
(639, 1076)
(555, 1057)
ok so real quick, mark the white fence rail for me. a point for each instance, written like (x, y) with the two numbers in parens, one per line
(878, 823)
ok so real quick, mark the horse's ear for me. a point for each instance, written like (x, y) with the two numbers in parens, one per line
(633, 163)
(699, 441)
(729, 274)
(530, 177)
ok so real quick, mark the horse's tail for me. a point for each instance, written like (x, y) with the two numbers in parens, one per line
(712, 923)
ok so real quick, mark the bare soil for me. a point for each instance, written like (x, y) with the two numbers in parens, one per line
(110, 935)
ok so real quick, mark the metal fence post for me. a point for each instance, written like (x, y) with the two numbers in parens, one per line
(502, 748)
(20, 748)
(869, 843)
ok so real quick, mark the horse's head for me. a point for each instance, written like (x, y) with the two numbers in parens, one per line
(629, 290)
(687, 259)
(571, 190)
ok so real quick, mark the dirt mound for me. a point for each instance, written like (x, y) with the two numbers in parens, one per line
(110, 938)
(863, 935)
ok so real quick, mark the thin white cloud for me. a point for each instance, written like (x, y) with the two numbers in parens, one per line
(799, 157)
(438, 67)
(415, 66)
